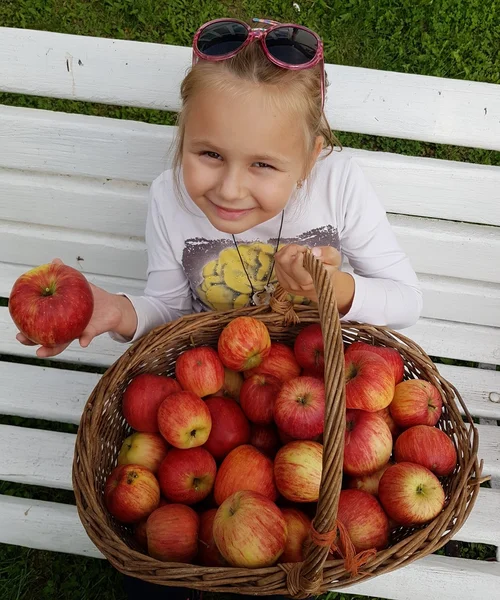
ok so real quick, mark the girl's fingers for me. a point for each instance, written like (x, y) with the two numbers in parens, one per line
(24, 340)
(44, 352)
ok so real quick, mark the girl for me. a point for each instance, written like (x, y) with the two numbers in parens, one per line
(254, 182)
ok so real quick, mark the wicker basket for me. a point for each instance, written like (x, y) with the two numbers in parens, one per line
(103, 429)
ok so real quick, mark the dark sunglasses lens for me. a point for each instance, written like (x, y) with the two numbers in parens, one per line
(292, 45)
(223, 38)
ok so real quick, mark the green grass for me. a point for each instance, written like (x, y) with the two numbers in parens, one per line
(445, 38)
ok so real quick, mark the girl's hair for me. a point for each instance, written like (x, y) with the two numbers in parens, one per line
(299, 91)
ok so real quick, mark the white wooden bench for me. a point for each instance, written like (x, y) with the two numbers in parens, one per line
(75, 187)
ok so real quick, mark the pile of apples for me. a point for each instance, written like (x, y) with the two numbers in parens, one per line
(224, 466)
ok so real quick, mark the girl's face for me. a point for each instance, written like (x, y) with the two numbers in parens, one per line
(241, 158)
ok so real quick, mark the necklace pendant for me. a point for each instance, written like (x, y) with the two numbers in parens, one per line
(263, 296)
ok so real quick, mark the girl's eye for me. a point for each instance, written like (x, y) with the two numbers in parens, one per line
(211, 154)
(263, 165)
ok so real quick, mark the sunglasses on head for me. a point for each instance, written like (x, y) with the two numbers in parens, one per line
(285, 45)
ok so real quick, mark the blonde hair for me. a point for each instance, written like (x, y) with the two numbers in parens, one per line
(298, 91)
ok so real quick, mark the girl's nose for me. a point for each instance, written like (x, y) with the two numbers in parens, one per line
(231, 186)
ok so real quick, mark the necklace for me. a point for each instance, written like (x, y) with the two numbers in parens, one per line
(259, 297)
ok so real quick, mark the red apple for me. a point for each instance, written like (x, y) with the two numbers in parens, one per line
(199, 370)
(427, 446)
(298, 526)
(146, 449)
(142, 399)
(385, 413)
(51, 304)
(410, 494)
(416, 402)
(367, 483)
(209, 554)
(309, 349)
(313, 373)
(187, 476)
(280, 363)
(184, 420)
(299, 409)
(230, 427)
(244, 343)
(131, 493)
(245, 468)
(364, 519)
(249, 530)
(265, 438)
(257, 397)
(232, 384)
(297, 470)
(172, 533)
(390, 355)
(369, 381)
(368, 443)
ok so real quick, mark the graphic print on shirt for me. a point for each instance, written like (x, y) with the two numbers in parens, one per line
(217, 275)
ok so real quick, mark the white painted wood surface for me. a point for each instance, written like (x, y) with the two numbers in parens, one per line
(364, 100)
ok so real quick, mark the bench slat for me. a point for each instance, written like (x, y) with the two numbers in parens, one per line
(57, 527)
(362, 100)
(96, 147)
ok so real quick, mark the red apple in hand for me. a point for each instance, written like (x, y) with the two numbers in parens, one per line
(427, 446)
(184, 420)
(230, 427)
(416, 402)
(368, 443)
(265, 438)
(364, 519)
(299, 410)
(209, 554)
(142, 399)
(172, 533)
(298, 527)
(309, 349)
(249, 530)
(187, 476)
(131, 493)
(232, 384)
(297, 470)
(369, 381)
(257, 397)
(199, 370)
(368, 483)
(145, 449)
(245, 468)
(244, 343)
(390, 355)
(51, 304)
(280, 363)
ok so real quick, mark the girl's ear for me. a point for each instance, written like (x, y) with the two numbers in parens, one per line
(318, 147)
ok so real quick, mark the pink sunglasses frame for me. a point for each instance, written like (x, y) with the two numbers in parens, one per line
(260, 33)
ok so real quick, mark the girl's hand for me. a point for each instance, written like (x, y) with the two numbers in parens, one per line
(106, 317)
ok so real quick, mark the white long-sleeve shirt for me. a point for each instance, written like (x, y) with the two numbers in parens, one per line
(193, 267)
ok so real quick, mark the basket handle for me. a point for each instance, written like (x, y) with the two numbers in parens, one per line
(304, 579)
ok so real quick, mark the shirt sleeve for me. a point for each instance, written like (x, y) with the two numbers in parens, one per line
(387, 291)
(167, 295)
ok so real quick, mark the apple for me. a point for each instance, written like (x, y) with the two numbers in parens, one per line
(385, 413)
(245, 468)
(369, 381)
(390, 355)
(299, 409)
(280, 363)
(184, 420)
(250, 530)
(297, 470)
(367, 483)
(257, 397)
(298, 526)
(172, 533)
(199, 370)
(368, 443)
(209, 554)
(142, 399)
(313, 373)
(309, 349)
(416, 402)
(265, 438)
(410, 494)
(131, 493)
(187, 476)
(427, 446)
(244, 343)
(51, 304)
(364, 519)
(230, 427)
(232, 384)
(146, 449)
